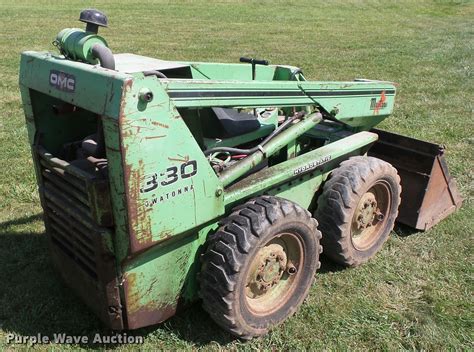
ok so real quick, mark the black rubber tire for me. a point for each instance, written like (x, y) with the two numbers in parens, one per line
(231, 250)
(339, 199)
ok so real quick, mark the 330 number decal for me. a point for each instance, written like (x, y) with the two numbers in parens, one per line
(170, 175)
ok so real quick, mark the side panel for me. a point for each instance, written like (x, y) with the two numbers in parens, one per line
(302, 190)
(358, 104)
(117, 187)
(170, 186)
(157, 282)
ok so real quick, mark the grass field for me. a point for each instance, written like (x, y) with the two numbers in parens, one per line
(416, 294)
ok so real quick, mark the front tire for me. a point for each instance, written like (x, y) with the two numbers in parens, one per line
(357, 209)
(259, 266)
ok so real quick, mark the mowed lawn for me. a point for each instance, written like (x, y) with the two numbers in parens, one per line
(418, 291)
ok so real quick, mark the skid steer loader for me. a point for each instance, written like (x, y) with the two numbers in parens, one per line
(163, 182)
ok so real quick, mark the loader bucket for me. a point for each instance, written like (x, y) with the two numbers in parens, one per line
(429, 194)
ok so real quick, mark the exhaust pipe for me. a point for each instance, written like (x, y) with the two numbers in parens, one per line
(104, 55)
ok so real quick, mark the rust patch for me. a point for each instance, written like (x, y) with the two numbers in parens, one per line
(130, 280)
(164, 235)
(155, 137)
(429, 193)
(139, 223)
(180, 158)
(144, 315)
(132, 124)
(139, 219)
(156, 123)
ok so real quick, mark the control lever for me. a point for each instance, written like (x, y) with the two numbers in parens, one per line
(253, 62)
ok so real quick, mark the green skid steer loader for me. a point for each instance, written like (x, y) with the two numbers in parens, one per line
(163, 182)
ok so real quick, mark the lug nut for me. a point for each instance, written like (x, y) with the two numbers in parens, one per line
(291, 269)
(379, 216)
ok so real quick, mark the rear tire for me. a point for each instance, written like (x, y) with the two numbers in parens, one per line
(357, 209)
(259, 266)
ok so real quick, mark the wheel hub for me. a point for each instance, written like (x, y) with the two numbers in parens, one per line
(366, 211)
(272, 263)
(369, 216)
(273, 272)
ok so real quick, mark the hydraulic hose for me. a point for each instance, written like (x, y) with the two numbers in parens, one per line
(154, 73)
(104, 55)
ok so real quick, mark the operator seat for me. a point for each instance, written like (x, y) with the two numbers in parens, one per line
(236, 123)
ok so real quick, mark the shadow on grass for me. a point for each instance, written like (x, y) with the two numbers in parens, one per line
(404, 230)
(34, 299)
(329, 266)
(21, 221)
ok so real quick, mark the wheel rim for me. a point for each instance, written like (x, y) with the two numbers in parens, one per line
(273, 273)
(371, 215)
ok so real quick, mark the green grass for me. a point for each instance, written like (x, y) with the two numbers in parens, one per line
(416, 293)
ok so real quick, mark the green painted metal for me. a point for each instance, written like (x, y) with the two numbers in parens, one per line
(77, 44)
(167, 274)
(165, 196)
(293, 132)
(361, 104)
(216, 71)
(96, 90)
(164, 170)
(317, 163)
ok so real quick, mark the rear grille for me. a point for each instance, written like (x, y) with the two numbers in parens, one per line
(65, 214)
(67, 193)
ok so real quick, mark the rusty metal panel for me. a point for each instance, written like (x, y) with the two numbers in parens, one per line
(140, 315)
(163, 279)
(170, 188)
(429, 193)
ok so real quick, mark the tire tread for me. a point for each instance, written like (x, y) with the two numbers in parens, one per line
(238, 233)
